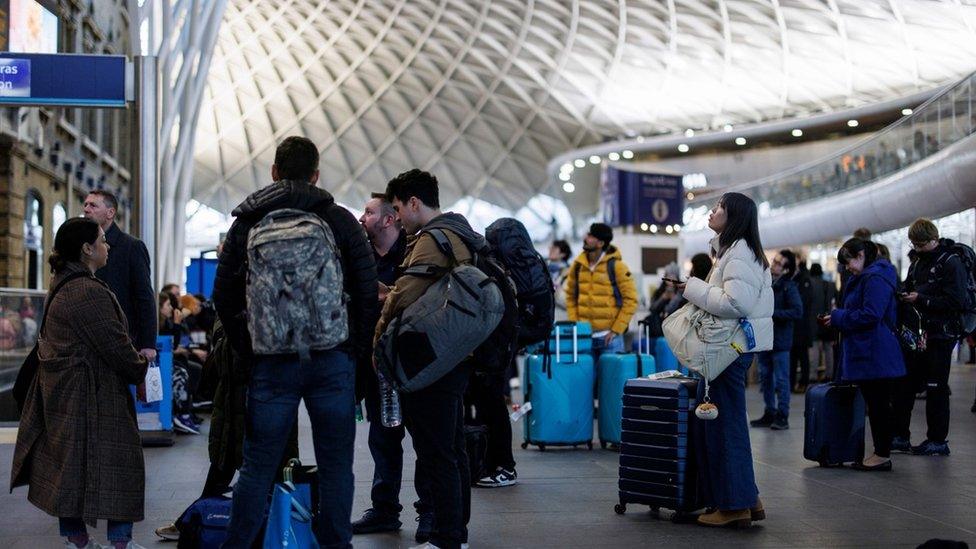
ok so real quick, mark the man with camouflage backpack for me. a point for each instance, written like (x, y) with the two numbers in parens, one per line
(296, 292)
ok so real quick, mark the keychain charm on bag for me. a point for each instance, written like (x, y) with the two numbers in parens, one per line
(706, 410)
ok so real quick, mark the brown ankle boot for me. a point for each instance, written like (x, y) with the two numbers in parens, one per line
(757, 512)
(734, 519)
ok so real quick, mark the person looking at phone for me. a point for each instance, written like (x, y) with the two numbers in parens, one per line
(600, 290)
(870, 353)
(936, 287)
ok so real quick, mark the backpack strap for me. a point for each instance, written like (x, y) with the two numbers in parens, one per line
(612, 273)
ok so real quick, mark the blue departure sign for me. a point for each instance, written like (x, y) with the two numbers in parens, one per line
(632, 198)
(63, 80)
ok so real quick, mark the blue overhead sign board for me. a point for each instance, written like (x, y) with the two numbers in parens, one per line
(632, 198)
(62, 80)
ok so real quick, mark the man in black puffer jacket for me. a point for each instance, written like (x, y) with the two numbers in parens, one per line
(936, 287)
(278, 382)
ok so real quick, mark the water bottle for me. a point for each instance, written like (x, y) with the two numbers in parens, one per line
(390, 414)
(359, 412)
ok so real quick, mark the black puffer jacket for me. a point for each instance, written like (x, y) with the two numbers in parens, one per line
(940, 278)
(358, 265)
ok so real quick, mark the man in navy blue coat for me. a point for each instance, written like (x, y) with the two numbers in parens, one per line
(127, 272)
(774, 365)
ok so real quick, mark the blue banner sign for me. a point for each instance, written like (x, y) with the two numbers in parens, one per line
(15, 77)
(632, 198)
(62, 80)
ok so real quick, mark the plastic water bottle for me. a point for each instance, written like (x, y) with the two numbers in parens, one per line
(359, 412)
(390, 414)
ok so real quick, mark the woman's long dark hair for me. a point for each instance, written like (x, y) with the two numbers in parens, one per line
(67, 243)
(742, 223)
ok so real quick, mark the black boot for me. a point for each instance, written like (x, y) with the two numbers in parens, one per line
(765, 421)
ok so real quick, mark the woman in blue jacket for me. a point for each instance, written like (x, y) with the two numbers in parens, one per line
(870, 352)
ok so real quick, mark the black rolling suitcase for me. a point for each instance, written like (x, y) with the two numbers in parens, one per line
(657, 461)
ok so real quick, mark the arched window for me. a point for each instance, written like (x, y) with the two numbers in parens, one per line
(58, 216)
(34, 238)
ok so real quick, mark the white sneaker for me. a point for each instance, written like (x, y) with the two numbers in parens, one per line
(427, 545)
(502, 477)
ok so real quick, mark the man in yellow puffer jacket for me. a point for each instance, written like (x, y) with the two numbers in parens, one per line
(593, 296)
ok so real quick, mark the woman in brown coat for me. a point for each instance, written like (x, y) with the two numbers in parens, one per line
(78, 446)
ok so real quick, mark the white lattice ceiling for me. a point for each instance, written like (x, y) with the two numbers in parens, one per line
(484, 93)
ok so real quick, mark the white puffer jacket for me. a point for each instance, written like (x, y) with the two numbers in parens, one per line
(738, 287)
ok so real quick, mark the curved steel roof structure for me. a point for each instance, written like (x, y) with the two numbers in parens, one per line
(484, 93)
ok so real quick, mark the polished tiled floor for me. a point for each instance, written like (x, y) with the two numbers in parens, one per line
(565, 498)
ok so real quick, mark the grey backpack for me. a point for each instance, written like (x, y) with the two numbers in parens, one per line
(295, 299)
(432, 335)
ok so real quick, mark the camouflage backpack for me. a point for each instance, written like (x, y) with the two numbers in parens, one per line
(295, 299)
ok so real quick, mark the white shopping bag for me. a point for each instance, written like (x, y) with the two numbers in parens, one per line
(154, 383)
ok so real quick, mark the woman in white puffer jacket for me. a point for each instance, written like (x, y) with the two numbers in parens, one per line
(739, 287)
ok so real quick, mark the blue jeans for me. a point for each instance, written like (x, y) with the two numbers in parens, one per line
(774, 378)
(277, 385)
(117, 531)
(723, 448)
(385, 445)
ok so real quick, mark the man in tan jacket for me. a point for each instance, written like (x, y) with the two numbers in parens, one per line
(434, 416)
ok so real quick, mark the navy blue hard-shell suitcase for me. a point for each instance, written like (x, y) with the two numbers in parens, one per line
(657, 458)
(833, 430)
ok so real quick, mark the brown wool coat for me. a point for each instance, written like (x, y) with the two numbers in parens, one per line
(78, 446)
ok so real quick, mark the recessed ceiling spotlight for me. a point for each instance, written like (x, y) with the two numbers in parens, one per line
(643, 226)
(628, 154)
(564, 176)
(727, 128)
(614, 156)
(594, 159)
(640, 138)
(852, 123)
(689, 133)
(569, 187)
(669, 229)
(691, 196)
(579, 163)
(566, 167)
(797, 132)
(683, 148)
(653, 228)
(677, 228)
(906, 112)
(740, 141)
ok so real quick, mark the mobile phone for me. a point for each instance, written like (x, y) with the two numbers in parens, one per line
(671, 280)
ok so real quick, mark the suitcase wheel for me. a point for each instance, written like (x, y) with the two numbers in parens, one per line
(603, 444)
(542, 447)
(620, 508)
(525, 445)
(589, 445)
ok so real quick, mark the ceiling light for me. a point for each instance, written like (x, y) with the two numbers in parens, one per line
(683, 148)
(906, 112)
(653, 228)
(566, 167)
(614, 156)
(640, 138)
(689, 133)
(669, 229)
(740, 141)
(852, 123)
(628, 154)
(569, 187)
(579, 163)
(727, 127)
(594, 159)
(677, 228)
(564, 176)
(797, 132)
(643, 226)
(691, 196)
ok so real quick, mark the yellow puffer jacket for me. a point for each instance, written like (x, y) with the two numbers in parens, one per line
(596, 303)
